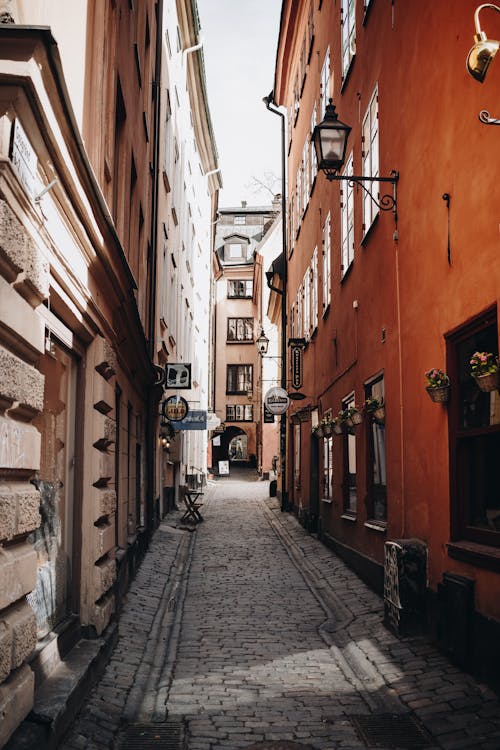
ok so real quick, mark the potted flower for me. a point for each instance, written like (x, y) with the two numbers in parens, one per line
(350, 417)
(318, 430)
(327, 426)
(438, 385)
(337, 426)
(375, 407)
(484, 370)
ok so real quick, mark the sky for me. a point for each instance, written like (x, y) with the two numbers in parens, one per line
(239, 43)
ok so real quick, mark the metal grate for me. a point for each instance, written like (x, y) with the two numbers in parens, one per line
(397, 731)
(166, 736)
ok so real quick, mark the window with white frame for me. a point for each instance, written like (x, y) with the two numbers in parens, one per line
(324, 93)
(240, 288)
(234, 250)
(296, 457)
(370, 158)
(298, 196)
(314, 290)
(327, 489)
(239, 378)
(326, 265)
(239, 412)
(312, 150)
(349, 484)
(240, 330)
(347, 219)
(306, 301)
(293, 330)
(291, 223)
(306, 175)
(300, 318)
(348, 29)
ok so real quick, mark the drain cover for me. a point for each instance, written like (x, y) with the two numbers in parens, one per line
(167, 736)
(398, 731)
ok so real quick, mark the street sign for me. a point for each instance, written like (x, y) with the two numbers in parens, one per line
(276, 400)
(195, 420)
(177, 375)
(175, 408)
(296, 357)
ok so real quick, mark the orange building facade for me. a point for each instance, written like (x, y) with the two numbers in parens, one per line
(384, 293)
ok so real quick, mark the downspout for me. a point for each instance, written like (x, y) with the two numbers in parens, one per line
(151, 416)
(271, 106)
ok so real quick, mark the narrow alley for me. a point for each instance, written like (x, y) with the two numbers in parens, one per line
(249, 633)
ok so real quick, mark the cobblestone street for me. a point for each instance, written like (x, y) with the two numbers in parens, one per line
(249, 632)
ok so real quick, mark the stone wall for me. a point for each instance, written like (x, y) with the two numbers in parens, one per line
(24, 284)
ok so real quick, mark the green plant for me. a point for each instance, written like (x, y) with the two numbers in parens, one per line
(350, 416)
(483, 363)
(436, 378)
(372, 404)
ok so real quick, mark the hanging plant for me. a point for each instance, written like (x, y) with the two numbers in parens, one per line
(438, 385)
(485, 371)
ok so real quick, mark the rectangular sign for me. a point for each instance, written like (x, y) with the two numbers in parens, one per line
(177, 375)
(268, 417)
(296, 367)
(223, 467)
(23, 158)
(194, 420)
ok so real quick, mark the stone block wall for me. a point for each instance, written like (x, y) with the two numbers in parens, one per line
(24, 284)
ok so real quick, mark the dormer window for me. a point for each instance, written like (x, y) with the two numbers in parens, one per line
(234, 251)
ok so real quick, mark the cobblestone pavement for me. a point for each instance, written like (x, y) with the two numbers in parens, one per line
(251, 633)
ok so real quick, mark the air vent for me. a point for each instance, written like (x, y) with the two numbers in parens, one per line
(397, 731)
(167, 736)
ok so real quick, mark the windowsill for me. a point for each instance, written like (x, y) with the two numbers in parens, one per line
(327, 500)
(349, 516)
(477, 554)
(232, 341)
(380, 526)
(347, 272)
(326, 310)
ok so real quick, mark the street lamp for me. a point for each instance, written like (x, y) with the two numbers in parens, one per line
(330, 142)
(262, 343)
(480, 57)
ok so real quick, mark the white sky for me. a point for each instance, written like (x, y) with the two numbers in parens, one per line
(239, 43)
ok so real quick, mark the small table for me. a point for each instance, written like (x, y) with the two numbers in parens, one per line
(191, 501)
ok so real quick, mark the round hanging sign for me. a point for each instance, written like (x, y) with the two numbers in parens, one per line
(175, 408)
(276, 400)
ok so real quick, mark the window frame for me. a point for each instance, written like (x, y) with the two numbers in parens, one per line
(347, 35)
(327, 265)
(347, 218)
(375, 388)
(248, 377)
(370, 160)
(245, 282)
(248, 326)
(349, 448)
(246, 408)
(461, 530)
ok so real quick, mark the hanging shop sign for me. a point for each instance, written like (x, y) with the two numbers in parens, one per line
(175, 408)
(178, 375)
(276, 400)
(296, 359)
(268, 417)
(195, 420)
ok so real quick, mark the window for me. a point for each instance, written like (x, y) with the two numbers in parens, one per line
(348, 27)
(234, 251)
(299, 319)
(349, 484)
(376, 469)
(239, 412)
(242, 288)
(327, 488)
(240, 220)
(474, 426)
(324, 93)
(306, 302)
(296, 457)
(370, 160)
(314, 290)
(347, 219)
(239, 378)
(326, 265)
(306, 175)
(313, 160)
(240, 329)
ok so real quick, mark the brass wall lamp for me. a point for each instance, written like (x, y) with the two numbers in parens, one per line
(480, 57)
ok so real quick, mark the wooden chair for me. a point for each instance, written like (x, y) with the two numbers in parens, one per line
(191, 500)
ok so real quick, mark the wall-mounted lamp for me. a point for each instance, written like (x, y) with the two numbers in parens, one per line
(330, 142)
(165, 442)
(262, 343)
(480, 57)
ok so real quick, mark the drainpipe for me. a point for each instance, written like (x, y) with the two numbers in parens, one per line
(151, 416)
(271, 106)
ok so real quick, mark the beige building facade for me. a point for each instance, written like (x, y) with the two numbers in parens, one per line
(86, 234)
